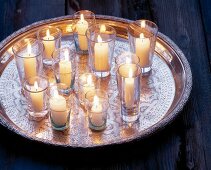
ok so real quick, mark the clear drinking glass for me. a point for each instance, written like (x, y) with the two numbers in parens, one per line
(142, 38)
(59, 109)
(129, 87)
(35, 90)
(83, 19)
(101, 42)
(50, 36)
(86, 82)
(126, 57)
(97, 105)
(28, 56)
(64, 69)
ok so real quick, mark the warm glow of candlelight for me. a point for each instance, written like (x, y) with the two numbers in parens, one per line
(66, 55)
(141, 35)
(130, 73)
(96, 101)
(99, 39)
(82, 17)
(89, 80)
(102, 28)
(36, 85)
(48, 33)
(29, 48)
(143, 24)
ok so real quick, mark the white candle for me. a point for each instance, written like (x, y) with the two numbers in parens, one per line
(129, 89)
(49, 44)
(37, 97)
(29, 63)
(81, 27)
(59, 112)
(89, 85)
(101, 58)
(96, 112)
(142, 45)
(65, 70)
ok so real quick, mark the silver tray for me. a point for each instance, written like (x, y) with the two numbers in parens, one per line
(163, 93)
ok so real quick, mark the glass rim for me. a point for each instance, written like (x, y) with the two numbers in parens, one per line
(50, 27)
(126, 53)
(105, 96)
(71, 51)
(35, 56)
(138, 23)
(43, 78)
(96, 25)
(135, 76)
(85, 11)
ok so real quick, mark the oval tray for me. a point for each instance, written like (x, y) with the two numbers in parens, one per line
(163, 93)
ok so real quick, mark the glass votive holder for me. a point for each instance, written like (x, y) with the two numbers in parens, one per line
(129, 87)
(126, 57)
(142, 39)
(101, 42)
(64, 69)
(28, 56)
(97, 105)
(35, 90)
(50, 36)
(82, 19)
(59, 109)
(86, 82)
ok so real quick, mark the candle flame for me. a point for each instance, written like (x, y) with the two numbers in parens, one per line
(66, 55)
(89, 80)
(96, 101)
(141, 35)
(130, 73)
(82, 17)
(102, 28)
(99, 39)
(29, 48)
(36, 85)
(55, 93)
(48, 33)
(69, 28)
(143, 24)
(128, 60)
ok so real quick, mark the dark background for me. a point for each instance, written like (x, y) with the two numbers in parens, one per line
(185, 144)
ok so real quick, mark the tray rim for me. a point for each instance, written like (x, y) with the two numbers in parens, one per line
(147, 132)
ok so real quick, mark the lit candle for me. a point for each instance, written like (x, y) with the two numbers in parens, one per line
(143, 49)
(97, 115)
(102, 28)
(89, 85)
(129, 89)
(58, 106)
(49, 44)
(37, 97)
(81, 27)
(29, 63)
(101, 59)
(65, 70)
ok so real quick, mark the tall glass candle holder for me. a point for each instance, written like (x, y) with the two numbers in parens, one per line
(87, 82)
(101, 39)
(35, 89)
(64, 69)
(51, 38)
(83, 19)
(142, 38)
(129, 87)
(59, 109)
(97, 106)
(28, 56)
(126, 57)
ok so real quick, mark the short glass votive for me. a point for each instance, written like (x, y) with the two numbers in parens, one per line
(50, 36)
(86, 82)
(97, 105)
(64, 69)
(129, 87)
(59, 109)
(35, 89)
(142, 39)
(101, 41)
(82, 19)
(28, 56)
(126, 57)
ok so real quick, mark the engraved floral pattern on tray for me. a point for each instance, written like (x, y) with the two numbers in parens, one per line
(158, 91)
